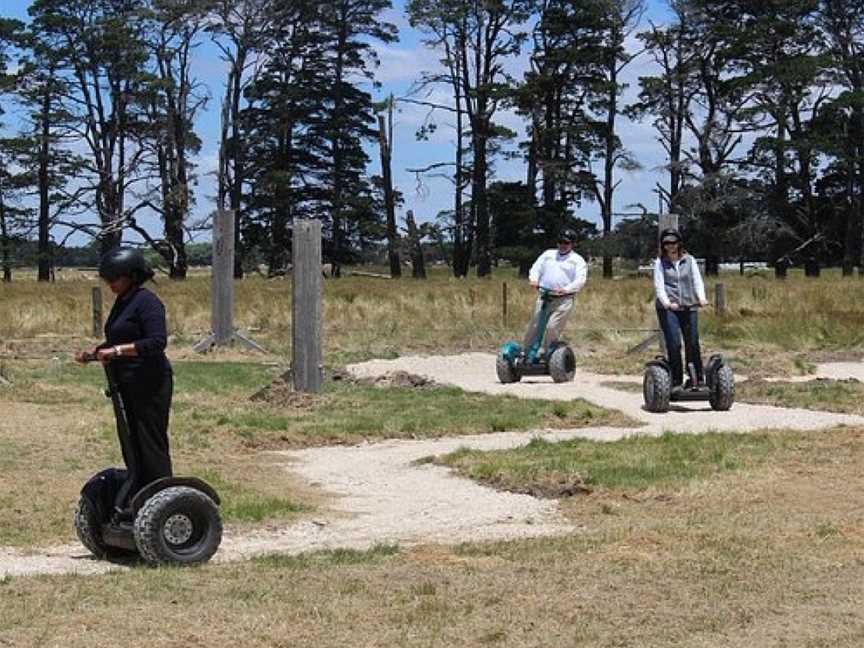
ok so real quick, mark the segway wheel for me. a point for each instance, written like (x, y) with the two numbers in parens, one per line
(657, 389)
(723, 390)
(88, 527)
(178, 526)
(562, 364)
(507, 373)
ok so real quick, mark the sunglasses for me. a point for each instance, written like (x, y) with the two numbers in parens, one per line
(670, 242)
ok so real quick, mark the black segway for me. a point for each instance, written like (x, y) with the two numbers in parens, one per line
(171, 521)
(559, 361)
(718, 389)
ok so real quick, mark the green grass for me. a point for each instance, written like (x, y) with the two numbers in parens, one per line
(60, 431)
(636, 463)
(352, 412)
(241, 504)
(845, 396)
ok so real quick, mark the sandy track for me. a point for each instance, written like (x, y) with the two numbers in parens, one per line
(384, 497)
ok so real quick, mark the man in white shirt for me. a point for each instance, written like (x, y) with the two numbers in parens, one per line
(562, 273)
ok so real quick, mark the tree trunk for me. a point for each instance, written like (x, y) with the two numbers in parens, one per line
(280, 240)
(851, 238)
(237, 167)
(609, 163)
(480, 202)
(419, 265)
(389, 199)
(712, 265)
(44, 249)
(4, 244)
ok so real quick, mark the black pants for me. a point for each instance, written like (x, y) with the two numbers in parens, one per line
(675, 325)
(147, 457)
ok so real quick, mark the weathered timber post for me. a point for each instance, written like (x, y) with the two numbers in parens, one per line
(222, 299)
(307, 366)
(222, 332)
(720, 299)
(97, 312)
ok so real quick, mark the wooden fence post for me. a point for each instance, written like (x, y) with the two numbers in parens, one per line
(97, 312)
(222, 332)
(504, 303)
(222, 300)
(307, 355)
(720, 299)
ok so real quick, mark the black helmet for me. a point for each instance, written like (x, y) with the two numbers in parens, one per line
(567, 235)
(125, 262)
(670, 234)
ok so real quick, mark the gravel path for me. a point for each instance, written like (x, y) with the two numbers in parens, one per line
(384, 497)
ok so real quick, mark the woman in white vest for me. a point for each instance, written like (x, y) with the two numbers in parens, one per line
(680, 292)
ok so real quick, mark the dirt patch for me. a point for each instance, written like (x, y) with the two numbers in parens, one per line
(398, 378)
(555, 485)
(403, 379)
(845, 355)
(280, 393)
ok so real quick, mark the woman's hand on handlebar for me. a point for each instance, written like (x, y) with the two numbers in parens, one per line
(96, 354)
(106, 355)
(83, 357)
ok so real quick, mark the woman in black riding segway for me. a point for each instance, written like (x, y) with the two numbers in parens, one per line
(135, 340)
(680, 292)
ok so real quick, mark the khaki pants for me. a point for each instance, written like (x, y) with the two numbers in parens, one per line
(558, 312)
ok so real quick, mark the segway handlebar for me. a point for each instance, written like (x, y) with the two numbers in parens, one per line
(546, 292)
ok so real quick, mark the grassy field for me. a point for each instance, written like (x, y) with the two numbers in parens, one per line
(769, 554)
(547, 469)
(57, 429)
(772, 327)
(710, 541)
(841, 396)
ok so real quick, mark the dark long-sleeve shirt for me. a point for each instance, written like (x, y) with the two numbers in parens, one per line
(139, 319)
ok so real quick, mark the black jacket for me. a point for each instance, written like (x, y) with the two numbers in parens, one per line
(140, 319)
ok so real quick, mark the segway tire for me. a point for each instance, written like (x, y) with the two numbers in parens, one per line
(178, 526)
(507, 373)
(88, 528)
(657, 389)
(562, 364)
(723, 390)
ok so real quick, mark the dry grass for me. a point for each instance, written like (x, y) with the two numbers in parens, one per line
(59, 431)
(769, 557)
(771, 325)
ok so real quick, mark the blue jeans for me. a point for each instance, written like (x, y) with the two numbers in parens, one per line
(675, 325)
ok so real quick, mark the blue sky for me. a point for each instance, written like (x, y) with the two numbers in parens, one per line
(401, 64)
